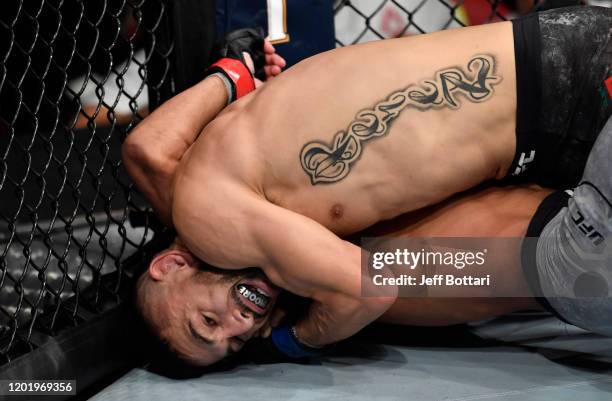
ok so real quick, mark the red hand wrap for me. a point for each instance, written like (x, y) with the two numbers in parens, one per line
(238, 73)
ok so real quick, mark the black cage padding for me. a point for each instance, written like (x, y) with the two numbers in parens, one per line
(192, 46)
(189, 35)
(88, 353)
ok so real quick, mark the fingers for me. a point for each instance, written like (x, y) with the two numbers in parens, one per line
(258, 83)
(268, 48)
(275, 59)
(274, 65)
(272, 71)
(274, 62)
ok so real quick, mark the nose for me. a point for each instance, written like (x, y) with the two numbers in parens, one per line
(239, 323)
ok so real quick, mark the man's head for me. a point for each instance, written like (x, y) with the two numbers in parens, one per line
(203, 314)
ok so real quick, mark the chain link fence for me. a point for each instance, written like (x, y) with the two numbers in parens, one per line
(358, 21)
(75, 77)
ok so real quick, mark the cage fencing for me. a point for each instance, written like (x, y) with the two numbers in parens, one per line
(74, 77)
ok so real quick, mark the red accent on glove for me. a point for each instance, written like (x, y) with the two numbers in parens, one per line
(238, 73)
(608, 83)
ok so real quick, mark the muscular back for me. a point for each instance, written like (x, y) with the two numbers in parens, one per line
(439, 117)
(364, 133)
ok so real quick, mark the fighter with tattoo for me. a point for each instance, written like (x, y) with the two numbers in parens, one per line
(339, 142)
(332, 163)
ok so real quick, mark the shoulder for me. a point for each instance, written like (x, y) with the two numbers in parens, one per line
(229, 145)
(212, 213)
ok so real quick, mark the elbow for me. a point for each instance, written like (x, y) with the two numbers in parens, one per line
(368, 304)
(380, 304)
(131, 153)
(134, 152)
(379, 299)
(142, 156)
(377, 292)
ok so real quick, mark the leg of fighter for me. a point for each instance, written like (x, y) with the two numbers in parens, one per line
(574, 252)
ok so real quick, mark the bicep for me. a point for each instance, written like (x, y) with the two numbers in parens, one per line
(311, 261)
(152, 175)
(211, 214)
(229, 226)
(304, 256)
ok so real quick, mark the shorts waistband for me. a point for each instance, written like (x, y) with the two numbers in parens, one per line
(527, 55)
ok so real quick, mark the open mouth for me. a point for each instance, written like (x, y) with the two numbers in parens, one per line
(253, 297)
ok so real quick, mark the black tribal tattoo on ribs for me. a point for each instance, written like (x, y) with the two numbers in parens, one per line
(325, 163)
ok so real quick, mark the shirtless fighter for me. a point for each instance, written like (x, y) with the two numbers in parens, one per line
(579, 293)
(352, 137)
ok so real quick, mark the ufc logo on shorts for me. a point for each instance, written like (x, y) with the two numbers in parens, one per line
(523, 162)
(588, 230)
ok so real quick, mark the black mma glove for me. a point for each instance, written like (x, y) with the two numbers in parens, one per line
(231, 65)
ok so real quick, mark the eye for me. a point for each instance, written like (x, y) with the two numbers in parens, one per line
(209, 321)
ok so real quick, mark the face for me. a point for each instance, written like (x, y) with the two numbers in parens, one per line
(204, 315)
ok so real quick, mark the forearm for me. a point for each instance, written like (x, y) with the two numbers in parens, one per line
(186, 114)
(339, 317)
(154, 148)
(343, 302)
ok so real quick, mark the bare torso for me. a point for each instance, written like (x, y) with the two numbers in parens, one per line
(426, 154)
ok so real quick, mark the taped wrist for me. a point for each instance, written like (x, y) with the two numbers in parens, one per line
(228, 85)
(237, 74)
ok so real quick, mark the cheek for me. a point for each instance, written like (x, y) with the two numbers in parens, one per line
(180, 303)
(170, 320)
(192, 291)
(174, 307)
(203, 297)
(219, 295)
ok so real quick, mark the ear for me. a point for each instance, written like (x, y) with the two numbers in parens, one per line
(168, 263)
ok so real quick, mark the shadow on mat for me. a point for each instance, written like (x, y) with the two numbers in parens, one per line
(368, 346)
